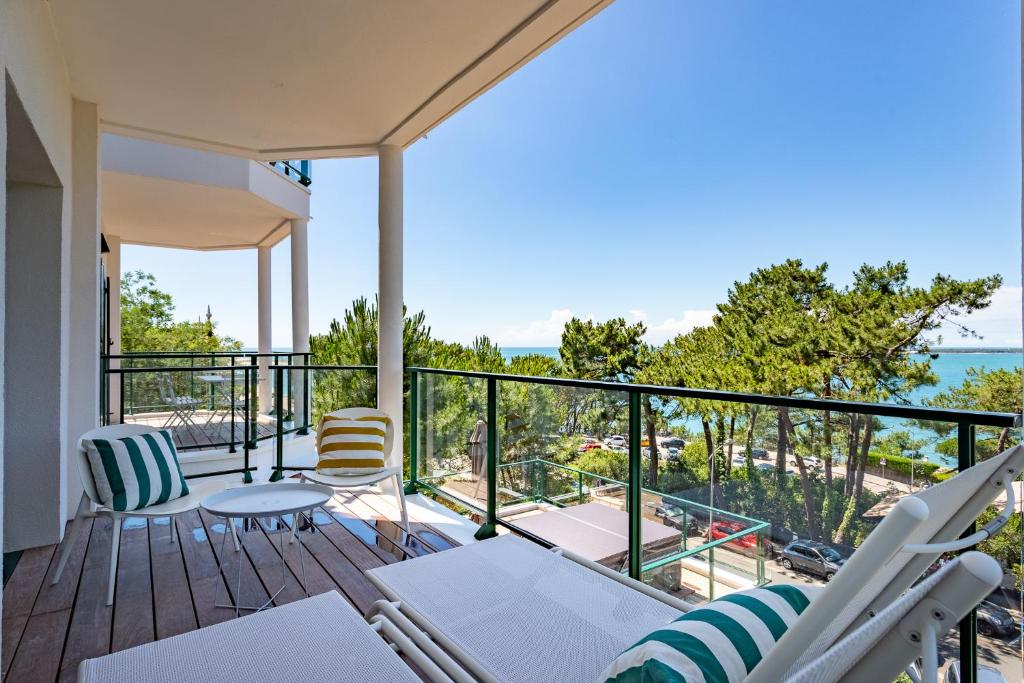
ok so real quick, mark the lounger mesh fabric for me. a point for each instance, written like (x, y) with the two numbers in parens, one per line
(282, 645)
(506, 599)
(720, 642)
(840, 659)
(134, 472)
(351, 446)
(943, 501)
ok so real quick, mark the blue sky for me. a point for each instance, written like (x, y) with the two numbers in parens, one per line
(663, 151)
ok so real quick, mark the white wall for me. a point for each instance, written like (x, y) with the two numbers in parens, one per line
(84, 306)
(32, 66)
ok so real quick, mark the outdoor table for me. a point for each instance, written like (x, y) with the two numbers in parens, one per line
(263, 500)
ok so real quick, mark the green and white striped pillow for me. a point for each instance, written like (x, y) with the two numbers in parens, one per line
(718, 643)
(134, 472)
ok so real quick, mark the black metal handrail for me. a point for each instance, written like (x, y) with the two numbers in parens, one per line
(976, 417)
(303, 171)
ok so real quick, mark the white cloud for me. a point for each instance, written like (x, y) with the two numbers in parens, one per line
(998, 325)
(545, 332)
(548, 331)
(662, 332)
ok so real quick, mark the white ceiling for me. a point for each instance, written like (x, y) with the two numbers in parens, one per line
(268, 79)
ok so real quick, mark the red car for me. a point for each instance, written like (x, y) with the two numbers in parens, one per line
(718, 530)
(590, 447)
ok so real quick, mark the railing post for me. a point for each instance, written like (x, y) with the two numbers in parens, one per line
(278, 474)
(247, 476)
(304, 429)
(414, 432)
(581, 488)
(213, 396)
(711, 573)
(635, 490)
(121, 418)
(489, 527)
(231, 406)
(251, 402)
(969, 624)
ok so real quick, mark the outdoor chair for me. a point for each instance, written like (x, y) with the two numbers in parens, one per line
(572, 617)
(392, 474)
(90, 505)
(183, 408)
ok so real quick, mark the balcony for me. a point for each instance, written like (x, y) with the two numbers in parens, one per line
(697, 539)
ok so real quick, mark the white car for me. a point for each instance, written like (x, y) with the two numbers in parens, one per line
(616, 440)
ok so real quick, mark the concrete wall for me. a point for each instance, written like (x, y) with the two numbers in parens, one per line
(35, 122)
(84, 306)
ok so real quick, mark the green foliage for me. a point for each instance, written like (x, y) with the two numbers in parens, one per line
(605, 463)
(993, 390)
(147, 321)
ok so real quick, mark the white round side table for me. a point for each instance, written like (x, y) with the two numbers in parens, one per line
(263, 500)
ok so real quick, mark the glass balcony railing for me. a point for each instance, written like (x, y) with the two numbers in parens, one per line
(299, 170)
(696, 492)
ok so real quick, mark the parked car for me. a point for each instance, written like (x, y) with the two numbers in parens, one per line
(777, 538)
(986, 674)
(994, 620)
(674, 516)
(674, 442)
(616, 440)
(758, 453)
(812, 557)
(723, 528)
(673, 453)
(766, 467)
(590, 447)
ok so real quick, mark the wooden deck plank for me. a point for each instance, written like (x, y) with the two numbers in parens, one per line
(19, 596)
(318, 580)
(172, 598)
(133, 597)
(355, 550)
(356, 587)
(201, 569)
(266, 560)
(38, 654)
(346, 511)
(387, 507)
(164, 589)
(89, 631)
(251, 591)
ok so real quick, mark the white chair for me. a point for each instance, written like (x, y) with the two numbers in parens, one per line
(90, 505)
(392, 473)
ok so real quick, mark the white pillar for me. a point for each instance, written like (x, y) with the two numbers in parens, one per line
(263, 393)
(114, 277)
(300, 313)
(390, 364)
(83, 409)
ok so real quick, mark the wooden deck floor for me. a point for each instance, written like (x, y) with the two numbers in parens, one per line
(164, 589)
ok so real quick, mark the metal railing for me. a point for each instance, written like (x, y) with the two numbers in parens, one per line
(963, 422)
(300, 170)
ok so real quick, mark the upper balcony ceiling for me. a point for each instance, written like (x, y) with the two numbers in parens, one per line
(268, 79)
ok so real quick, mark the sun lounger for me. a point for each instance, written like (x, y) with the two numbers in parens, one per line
(508, 610)
(317, 639)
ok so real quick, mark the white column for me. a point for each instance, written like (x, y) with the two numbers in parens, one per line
(263, 392)
(390, 324)
(300, 312)
(114, 277)
(83, 407)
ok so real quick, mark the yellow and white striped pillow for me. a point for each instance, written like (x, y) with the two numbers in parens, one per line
(351, 445)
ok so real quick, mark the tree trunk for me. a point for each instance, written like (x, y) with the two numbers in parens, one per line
(827, 439)
(1003, 437)
(852, 439)
(783, 445)
(805, 483)
(709, 441)
(732, 441)
(862, 465)
(751, 423)
(652, 472)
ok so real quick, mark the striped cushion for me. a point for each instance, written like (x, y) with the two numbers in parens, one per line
(718, 643)
(134, 472)
(351, 445)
